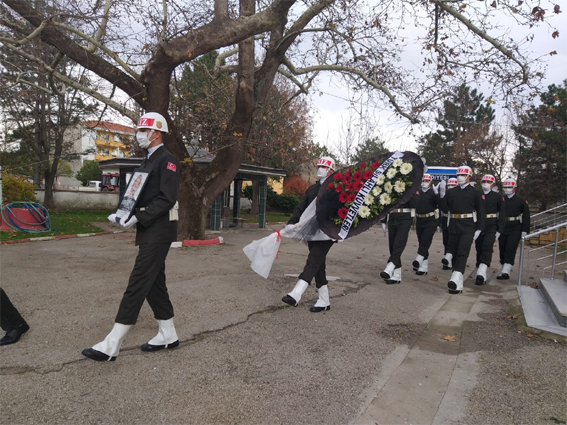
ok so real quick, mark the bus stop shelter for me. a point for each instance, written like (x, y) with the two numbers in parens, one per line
(220, 209)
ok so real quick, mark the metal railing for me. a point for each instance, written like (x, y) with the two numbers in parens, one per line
(549, 217)
(554, 263)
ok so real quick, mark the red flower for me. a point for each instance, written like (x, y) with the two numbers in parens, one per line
(363, 166)
(351, 186)
(357, 175)
(343, 197)
(338, 176)
(331, 186)
(358, 185)
(375, 165)
(348, 174)
(339, 188)
(367, 175)
(351, 197)
(343, 213)
(346, 179)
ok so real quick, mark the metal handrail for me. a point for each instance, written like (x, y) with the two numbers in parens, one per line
(551, 209)
(557, 264)
(554, 214)
(541, 232)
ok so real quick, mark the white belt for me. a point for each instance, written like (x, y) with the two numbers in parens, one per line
(519, 218)
(401, 210)
(431, 214)
(471, 215)
(491, 215)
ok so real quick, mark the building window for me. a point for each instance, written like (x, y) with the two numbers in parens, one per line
(105, 137)
(105, 152)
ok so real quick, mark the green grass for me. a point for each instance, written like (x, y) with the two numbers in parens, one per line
(271, 217)
(64, 223)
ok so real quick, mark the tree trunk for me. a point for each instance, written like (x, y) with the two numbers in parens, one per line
(255, 190)
(48, 194)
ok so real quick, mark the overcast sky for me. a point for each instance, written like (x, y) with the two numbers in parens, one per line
(330, 108)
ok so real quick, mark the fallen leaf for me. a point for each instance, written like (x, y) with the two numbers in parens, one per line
(529, 335)
(449, 338)
(101, 246)
(513, 316)
(359, 257)
(435, 279)
(534, 285)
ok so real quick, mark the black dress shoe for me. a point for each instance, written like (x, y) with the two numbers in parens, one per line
(446, 267)
(289, 300)
(319, 309)
(479, 281)
(392, 282)
(453, 288)
(503, 276)
(420, 273)
(445, 262)
(96, 355)
(384, 275)
(415, 264)
(14, 335)
(150, 347)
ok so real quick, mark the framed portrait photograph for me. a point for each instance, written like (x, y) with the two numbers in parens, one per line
(132, 194)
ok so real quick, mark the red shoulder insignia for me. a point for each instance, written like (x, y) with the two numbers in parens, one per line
(171, 166)
(526, 202)
(483, 196)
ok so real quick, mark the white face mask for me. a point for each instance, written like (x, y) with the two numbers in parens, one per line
(508, 191)
(461, 180)
(143, 138)
(425, 186)
(486, 186)
(322, 172)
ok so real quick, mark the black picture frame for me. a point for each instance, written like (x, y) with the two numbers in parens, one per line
(132, 193)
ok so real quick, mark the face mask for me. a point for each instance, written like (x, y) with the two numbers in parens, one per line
(425, 186)
(508, 191)
(143, 139)
(461, 180)
(485, 186)
(321, 172)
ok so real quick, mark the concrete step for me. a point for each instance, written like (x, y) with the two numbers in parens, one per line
(555, 293)
(564, 275)
(537, 311)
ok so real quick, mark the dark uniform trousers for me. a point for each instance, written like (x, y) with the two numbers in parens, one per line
(399, 225)
(147, 282)
(512, 234)
(494, 204)
(315, 265)
(425, 229)
(10, 317)
(154, 234)
(461, 230)
(484, 245)
(445, 233)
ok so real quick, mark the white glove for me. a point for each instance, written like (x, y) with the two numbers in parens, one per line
(133, 220)
(112, 218)
(435, 188)
(476, 235)
(438, 229)
(473, 183)
(497, 235)
(384, 228)
(524, 234)
(288, 228)
(425, 167)
(442, 188)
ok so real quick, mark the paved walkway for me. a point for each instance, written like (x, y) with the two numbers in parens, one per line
(384, 354)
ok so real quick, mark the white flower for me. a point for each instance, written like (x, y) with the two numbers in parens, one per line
(380, 180)
(397, 162)
(391, 173)
(376, 191)
(364, 211)
(368, 200)
(400, 186)
(385, 199)
(406, 168)
(388, 187)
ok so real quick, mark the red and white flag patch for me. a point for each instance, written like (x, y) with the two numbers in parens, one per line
(171, 166)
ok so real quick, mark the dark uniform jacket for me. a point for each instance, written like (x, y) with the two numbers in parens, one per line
(464, 201)
(494, 204)
(310, 195)
(516, 206)
(158, 197)
(426, 202)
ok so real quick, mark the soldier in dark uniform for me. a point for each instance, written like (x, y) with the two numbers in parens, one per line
(11, 321)
(427, 220)
(517, 226)
(399, 224)
(156, 229)
(447, 256)
(466, 220)
(315, 265)
(495, 210)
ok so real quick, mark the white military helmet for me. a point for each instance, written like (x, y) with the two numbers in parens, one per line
(154, 121)
(452, 182)
(326, 161)
(464, 169)
(427, 178)
(509, 183)
(488, 178)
